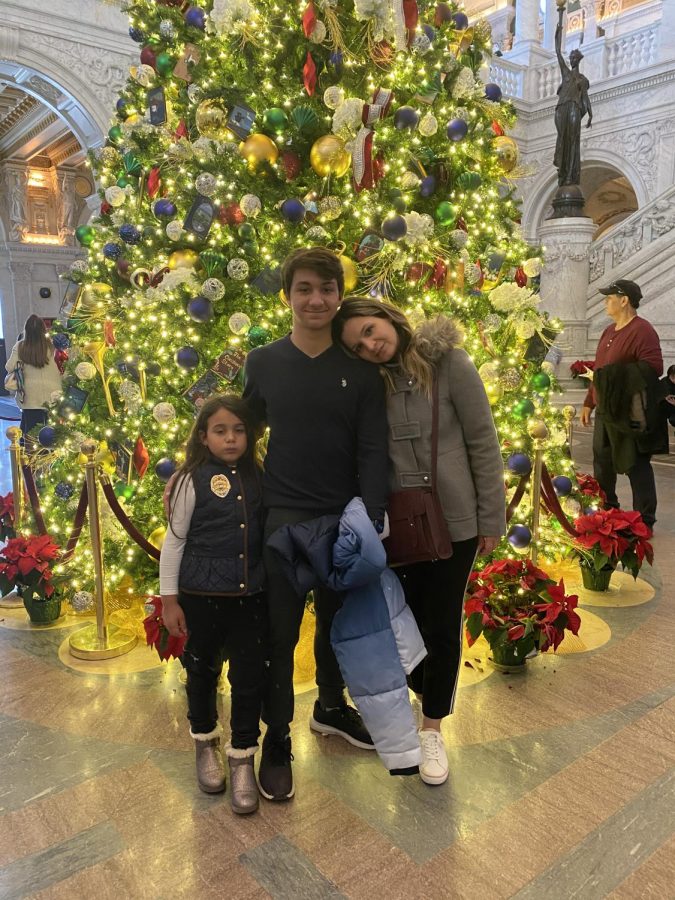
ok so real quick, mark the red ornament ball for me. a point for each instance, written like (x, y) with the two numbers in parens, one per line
(148, 57)
(520, 277)
(291, 164)
(231, 214)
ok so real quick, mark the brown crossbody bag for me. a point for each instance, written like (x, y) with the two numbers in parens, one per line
(417, 528)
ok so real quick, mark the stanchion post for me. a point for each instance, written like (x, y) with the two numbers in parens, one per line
(569, 414)
(538, 430)
(14, 435)
(102, 641)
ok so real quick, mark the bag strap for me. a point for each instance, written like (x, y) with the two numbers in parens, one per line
(434, 433)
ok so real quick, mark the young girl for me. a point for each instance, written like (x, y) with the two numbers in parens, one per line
(211, 581)
(41, 377)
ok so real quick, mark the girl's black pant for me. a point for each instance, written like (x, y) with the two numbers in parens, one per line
(219, 629)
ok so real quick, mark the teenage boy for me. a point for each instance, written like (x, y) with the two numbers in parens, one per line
(328, 443)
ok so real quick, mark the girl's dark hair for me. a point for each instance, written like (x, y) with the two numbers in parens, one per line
(197, 453)
(671, 371)
(35, 348)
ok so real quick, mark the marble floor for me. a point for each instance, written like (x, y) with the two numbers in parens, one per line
(562, 781)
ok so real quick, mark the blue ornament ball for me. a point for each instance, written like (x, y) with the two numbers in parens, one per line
(406, 117)
(563, 485)
(394, 228)
(195, 17)
(519, 536)
(61, 341)
(63, 490)
(457, 129)
(136, 35)
(121, 107)
(187, 358)
(164, 208)
(200, 309)
(493, 92)
(47, 436)
(164, 468)
(460, 21)
(430, 32)
(427, 186)
(129, 234)
(519, 464)
(293, 210)
(112, 250)
(495, 260)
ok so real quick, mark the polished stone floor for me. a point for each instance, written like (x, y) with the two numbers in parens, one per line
(562, 781)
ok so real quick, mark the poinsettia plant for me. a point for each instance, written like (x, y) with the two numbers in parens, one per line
(514, 602)
(25, 561)
(7, 517)
(156, 632)
(588, 489)
(608, 537)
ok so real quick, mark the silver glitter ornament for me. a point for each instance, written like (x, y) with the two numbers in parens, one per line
(213, 289)
(206, 184)
(237, 269)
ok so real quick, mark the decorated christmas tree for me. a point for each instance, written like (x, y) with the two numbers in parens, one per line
(247, 129)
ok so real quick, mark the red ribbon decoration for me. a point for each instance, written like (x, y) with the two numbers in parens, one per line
(61, 358)
(141, 458)
(181, 131)
(309, 74)
(411, 16)
(153, 182)
(109, 334)
(308, 20)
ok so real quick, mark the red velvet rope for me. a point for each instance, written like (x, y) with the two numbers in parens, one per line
(551, 500)
(34, 499)
(517, 497)
(80, 513)
(127, 524)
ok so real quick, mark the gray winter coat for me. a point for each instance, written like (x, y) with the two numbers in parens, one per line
(470, 468)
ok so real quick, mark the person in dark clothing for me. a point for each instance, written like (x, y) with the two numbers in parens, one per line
(667, 391)
(328, 443)
(630, 339)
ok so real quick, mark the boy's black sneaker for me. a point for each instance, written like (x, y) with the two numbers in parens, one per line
(344, 721)
(275, 775)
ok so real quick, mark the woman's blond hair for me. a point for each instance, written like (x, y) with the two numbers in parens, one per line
(409, 358)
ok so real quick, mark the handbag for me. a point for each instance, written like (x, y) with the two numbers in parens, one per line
(418, 531)
(14, 382)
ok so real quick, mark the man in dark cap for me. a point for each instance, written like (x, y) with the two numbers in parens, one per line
(628, 363)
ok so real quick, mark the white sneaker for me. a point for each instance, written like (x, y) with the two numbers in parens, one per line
(434, 768)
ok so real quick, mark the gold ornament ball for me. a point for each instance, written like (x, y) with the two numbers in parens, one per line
(92, 294)
(183, 259)
(211, 121)
(157, 537)
(506, 151)
(257, 149)
(351, 273)
(494, 392)
(329, 156)
(537, 429)
(569, 413)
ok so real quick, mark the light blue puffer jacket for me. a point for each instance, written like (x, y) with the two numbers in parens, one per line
(374, 635)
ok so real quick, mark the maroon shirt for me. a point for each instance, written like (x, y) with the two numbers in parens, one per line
(637, 341)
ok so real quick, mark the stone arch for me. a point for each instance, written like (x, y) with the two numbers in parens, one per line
(64, 94)
(542, 189)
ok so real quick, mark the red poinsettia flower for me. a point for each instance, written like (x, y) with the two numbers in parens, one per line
(157, 635)
(7, 506)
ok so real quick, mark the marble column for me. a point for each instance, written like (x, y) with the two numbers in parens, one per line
(550, 22)
(527, 23)
(667, 30)
(564, 281)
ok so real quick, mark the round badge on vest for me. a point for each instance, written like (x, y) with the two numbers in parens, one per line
(220, 485)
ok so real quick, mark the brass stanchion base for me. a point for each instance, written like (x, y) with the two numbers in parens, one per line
(85, 644)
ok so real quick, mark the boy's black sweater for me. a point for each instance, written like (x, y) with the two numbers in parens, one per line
(328, 428)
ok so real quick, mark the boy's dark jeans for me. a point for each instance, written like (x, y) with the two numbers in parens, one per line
(220, 628)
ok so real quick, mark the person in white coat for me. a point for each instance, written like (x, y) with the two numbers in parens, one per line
(41, 376)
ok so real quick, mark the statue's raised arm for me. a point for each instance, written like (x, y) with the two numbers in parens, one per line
(558, 41)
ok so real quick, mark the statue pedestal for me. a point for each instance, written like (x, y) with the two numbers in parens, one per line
(564, 283)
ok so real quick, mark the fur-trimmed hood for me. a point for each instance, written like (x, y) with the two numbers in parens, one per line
(434, 338)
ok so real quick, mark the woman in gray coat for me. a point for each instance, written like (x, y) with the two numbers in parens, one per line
(470, 483)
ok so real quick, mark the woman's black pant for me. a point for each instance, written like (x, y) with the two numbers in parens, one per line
(220, 628)
(32, 417)
(434, 592)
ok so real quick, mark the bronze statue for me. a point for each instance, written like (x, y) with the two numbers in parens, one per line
(573, 105)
